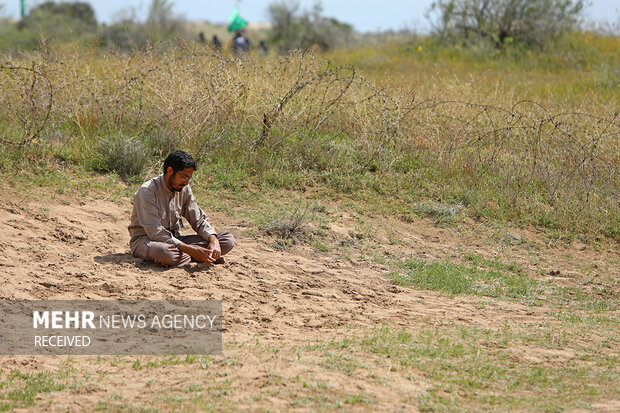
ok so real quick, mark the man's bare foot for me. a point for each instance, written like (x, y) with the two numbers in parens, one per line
(220, 260)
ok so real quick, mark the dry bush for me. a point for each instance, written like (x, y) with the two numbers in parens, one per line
(26, 97)
(124, 155)
(300, 113)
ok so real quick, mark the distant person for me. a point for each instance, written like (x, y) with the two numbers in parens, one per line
(216, 43)
(201, 38)
(262, 49)
(158, 207)
(240, 42)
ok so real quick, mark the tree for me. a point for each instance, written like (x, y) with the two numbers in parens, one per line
(293, 28)
(533, 22)
(161, 21)
(62, 20)
(160, 25)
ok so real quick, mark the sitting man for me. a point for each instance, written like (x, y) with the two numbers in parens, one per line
(158, 207)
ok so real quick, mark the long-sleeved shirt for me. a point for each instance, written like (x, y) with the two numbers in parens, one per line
(157, 213)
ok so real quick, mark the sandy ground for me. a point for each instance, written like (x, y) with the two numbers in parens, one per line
(79, 250)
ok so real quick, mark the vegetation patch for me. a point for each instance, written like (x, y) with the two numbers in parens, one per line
(467, 368)
(495, 280)
(126, 156)
(20, 390)
(304, 122)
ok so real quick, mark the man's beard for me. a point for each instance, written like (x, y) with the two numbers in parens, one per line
(174, 189)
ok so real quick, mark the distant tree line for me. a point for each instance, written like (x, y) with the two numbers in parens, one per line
(64, 22)
(499, 22)
(76, 21)
(496, 22)
(295, 28)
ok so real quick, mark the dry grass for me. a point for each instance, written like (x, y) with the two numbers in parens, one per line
(300, 120)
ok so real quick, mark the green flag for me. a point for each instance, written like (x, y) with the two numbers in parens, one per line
(236, 22)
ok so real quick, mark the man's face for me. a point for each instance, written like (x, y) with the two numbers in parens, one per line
(177, 180)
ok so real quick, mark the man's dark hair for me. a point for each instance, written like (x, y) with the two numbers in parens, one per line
(179, 160)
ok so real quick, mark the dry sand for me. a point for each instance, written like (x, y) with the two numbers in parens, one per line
(75, 249)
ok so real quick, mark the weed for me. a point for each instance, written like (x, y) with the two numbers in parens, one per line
(126, 156)
(320, 246)
(358, 399)
(442, 213)
(292, 226)
(281, 244)
(162, 142)
(19, 390)
(342, 362)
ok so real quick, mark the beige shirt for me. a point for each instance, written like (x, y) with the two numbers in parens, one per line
(157, 213)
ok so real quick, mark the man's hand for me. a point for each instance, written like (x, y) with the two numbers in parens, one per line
(214, 247)
(198, 253)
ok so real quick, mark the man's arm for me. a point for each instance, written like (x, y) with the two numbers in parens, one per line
(196, 217)
(150, 219)
(199, 221)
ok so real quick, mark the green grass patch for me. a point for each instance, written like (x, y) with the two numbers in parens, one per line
(20, 390)
(467, 368)
(494, 280)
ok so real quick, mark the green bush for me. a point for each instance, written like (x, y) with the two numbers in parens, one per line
(293, 28)
(14, 39)
(125, 35)
(533, 22)
(61, 21)
(126, 156)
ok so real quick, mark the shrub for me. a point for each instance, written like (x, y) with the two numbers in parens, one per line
(61, 20)
(161, 142)
(533, 22)
(301, 122)
(161, 25)
(126, 156)
(289, 227)
(292, 28)
(126, 35)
